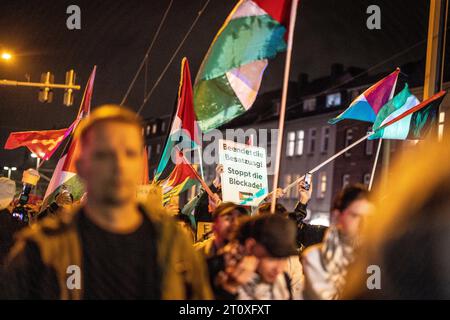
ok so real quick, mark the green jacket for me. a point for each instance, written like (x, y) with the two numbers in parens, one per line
(184, 273)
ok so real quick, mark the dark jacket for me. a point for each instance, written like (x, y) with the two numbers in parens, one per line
(307, 234)
(201, 210)
(183, 271)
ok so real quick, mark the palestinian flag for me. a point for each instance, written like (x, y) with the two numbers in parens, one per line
(367, 105)
(412, 122)
(65, 171)
(184, 131)
(403, 101)
(231, 72)
(182, 178)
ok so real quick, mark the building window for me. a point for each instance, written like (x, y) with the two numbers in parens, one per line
(325, 139)
(154, 128)
(312, 140)
(348, 140)
(309, 104)
(441, 125)
(345, 180)
(322, 185)
(333, 100)
(158, 148)
(369, 147)
(163, 126)
(148, 130)
(290, 144)
(287, 181)
(300, 141)
(366, 179)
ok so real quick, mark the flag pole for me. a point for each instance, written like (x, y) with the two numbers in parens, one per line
(287, 67)
(387, 148)
(372, 175)
(200, 160)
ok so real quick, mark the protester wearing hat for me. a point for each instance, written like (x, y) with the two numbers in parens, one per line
(225, 222)
(8, 224)
(254, 266)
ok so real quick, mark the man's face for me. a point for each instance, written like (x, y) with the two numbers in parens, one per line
(111, 163)
(225, 225)
(269, 268)
(350, 220)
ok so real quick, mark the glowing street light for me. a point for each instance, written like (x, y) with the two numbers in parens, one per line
(38, 160)
(9, 169)
(6, 56)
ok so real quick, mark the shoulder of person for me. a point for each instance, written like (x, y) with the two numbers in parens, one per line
(51, 225)
(311, 252)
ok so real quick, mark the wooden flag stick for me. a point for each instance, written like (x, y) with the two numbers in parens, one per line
(287, 67)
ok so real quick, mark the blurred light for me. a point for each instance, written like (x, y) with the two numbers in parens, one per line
(6, 56)
(13, 168)
(321, 221)
(33, 155)
(5, 168)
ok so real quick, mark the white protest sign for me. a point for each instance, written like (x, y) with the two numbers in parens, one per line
(244, 178)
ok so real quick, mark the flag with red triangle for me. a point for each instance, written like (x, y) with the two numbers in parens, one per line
(184, 132)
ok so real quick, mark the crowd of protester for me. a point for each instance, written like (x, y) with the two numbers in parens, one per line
(108, 245)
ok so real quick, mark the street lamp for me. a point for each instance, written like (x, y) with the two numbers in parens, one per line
(38, 160)
(6, 56)
(9, 170)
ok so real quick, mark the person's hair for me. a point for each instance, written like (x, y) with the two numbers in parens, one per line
(346, 196)
(264, 208)
(226, 207)
(107, 113)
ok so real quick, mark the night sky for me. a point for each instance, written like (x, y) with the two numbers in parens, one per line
(114, 36)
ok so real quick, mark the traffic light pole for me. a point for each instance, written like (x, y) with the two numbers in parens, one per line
(38, 85)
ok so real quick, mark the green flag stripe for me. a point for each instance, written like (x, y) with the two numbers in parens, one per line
(242, 41)
(216, 103)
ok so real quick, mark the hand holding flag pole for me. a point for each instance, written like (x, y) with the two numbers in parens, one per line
(316, 168)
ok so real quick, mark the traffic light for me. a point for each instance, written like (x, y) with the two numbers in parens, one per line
(46, 93)
(68, 93)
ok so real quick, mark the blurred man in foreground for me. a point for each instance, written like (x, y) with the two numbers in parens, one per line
(110, 248)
